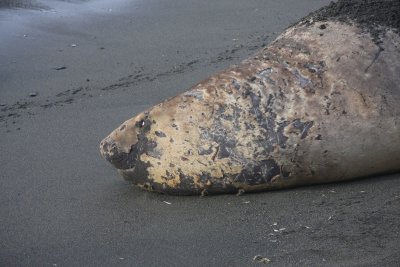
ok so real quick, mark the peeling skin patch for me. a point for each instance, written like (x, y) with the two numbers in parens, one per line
(235, 84)
(196, 94)
(258, 174)
(302, 80)
(276, 120)
(152, 150)
(303, 127)
(265, 76)
(315, 68)
(160, 134)
(205, 151)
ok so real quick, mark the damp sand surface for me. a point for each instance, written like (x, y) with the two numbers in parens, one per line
(70, 72)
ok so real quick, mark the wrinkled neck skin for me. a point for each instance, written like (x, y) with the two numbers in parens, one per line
(319, 104)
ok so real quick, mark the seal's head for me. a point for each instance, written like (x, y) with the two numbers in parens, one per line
(158, 148)
(124, 146)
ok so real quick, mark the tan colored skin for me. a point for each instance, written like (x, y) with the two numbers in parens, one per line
(315, 106)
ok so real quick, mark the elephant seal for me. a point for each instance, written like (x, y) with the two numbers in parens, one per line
(319, 104)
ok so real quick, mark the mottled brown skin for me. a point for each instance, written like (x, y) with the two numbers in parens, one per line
(319, 104)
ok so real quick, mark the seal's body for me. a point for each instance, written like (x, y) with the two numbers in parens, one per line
(319, 104)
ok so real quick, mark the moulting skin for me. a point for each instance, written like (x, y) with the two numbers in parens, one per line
(319, 104)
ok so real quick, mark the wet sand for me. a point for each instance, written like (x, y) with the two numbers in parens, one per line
(72, 72)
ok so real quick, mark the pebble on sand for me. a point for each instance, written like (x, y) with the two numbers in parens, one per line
(60, 68)
(261, 259)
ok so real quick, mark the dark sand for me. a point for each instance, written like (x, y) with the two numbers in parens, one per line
(62, 204)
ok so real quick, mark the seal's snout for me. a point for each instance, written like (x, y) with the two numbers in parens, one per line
(111, 151)
(118, 147)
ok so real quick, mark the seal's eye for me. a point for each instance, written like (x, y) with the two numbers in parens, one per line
(140, 124)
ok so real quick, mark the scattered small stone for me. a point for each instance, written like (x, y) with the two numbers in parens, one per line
(60, 68)
(2, 104)
(246, 202)
(204, 193)
(261, 259)
(330, 218)
(166, 202)
(121, 258)
(102, 48)
(73, 45)
(275, 223)
(33, 94)
(362, 191)
(240, 192)
(88, 80)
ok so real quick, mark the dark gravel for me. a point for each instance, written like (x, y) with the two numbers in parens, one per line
(369, 14)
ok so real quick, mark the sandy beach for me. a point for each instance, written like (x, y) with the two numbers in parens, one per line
(72, 71)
